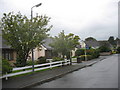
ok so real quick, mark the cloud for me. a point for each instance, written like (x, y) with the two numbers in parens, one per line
(85, 18)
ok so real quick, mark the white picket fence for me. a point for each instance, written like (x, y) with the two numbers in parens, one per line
(40, 67)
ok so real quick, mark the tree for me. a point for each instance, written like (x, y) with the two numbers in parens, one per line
(118, 50)
(117, 41)
(90, 38)
(63, 44)
(6, 67)
(104, 48)
(111, 40)
(23, 34)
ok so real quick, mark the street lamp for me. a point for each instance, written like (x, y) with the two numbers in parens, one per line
(31, 21)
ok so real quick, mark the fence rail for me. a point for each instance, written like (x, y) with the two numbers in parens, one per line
(40, 67)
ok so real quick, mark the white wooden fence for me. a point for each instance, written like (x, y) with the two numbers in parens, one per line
(40, 67)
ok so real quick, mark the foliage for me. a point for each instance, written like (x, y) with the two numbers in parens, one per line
(88, 57)
(90, 38)
(63, 44)
(24, 34)
(93, 52)
(6, 67)
(113, 52)
(104, 49)
(80, 52)
(57, 59)
(112, 41)
(118, 50)
(41, 60)
(29, 62)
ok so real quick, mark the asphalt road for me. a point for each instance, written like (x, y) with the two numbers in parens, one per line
(103, 74)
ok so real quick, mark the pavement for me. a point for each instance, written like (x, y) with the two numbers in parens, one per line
(37, 78)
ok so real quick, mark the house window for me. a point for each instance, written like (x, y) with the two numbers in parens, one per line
(7, 54)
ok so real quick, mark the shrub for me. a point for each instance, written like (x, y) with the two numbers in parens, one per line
(29, 62)
(41, 60)
(104, 49)
(118, 50)
(93, 52)
(80, 52)
(57, 59)
(6, 67)
(113, 52)
(74, 56)
(88, 57)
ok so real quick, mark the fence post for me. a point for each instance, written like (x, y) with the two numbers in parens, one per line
(61, 63)
(69, 62)
(50, 64)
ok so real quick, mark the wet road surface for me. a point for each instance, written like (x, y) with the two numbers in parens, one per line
(103, 74)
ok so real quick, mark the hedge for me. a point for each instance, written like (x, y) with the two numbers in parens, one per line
(93, 52)
(88, 57)
(6, 67)
(41, 60)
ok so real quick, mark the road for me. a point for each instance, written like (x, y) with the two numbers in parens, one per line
(103, 74)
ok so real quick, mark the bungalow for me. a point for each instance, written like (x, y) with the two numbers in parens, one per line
(44, 50)
(92, 43)
(96, 44)
(105, 43)
(7, 52)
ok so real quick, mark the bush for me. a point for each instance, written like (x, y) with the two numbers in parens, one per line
(74, 56)
(80, 52)
(113, 52)
(118, 50)
(29, 62)
(57, 59)
(41, 60)
(104, 49)
(88, 57)
(93, 52)
(6, 67)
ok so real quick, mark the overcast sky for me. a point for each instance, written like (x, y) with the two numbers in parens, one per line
(95, 18)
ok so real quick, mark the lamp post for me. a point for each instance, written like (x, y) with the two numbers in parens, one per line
(85, 53)
(31, 21)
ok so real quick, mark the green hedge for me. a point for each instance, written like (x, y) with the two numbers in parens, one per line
(88, 57)
(57, 59)
(80, 52)
(104, 49)
(93, 52)
(41, 60)
(6, 67)
(118, 50)
(29, 62)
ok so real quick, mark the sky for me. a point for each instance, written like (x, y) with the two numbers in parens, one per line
(86, 18)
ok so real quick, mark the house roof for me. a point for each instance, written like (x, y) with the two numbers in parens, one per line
(95, 43)
(105, 42)
(47, 42)
(92, 43)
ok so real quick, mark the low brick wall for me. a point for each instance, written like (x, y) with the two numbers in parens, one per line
(105, 53)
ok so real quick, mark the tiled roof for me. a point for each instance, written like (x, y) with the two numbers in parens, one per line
(102, 43)
(47, 42)
(92, 43)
